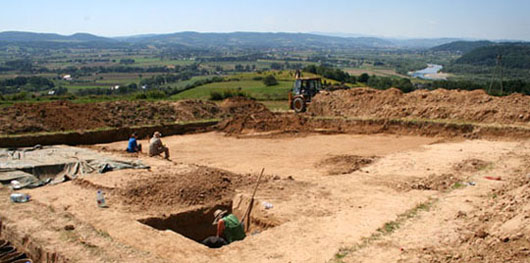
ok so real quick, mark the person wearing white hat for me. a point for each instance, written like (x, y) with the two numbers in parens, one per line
(156, 147)
(228, 226)
(229, 229)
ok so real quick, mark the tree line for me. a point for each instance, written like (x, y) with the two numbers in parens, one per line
(331, 73)
(406, 85)
(29, 84)
(27, 66)
(154, 91)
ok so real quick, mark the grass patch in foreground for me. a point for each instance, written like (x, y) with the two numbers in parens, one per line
(458, 185)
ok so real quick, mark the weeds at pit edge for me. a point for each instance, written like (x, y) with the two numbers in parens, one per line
(387, 229)
(458, 185)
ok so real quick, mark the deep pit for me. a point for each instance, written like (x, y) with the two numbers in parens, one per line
(197, 224)
(193, 224)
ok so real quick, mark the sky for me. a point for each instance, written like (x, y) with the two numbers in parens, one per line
(476, 19)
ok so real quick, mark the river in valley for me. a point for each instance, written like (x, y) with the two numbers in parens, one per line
(432, 72)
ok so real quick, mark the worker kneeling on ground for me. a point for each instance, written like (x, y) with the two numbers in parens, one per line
(156, 147)
(229, 229)
(134, 146)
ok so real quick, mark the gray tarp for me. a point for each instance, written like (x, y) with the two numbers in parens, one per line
(72, 170)
(37, 166)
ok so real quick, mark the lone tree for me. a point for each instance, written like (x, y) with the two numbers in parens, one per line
(363, 78)
(270, 80)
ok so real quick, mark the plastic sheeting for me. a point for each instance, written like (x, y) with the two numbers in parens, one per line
(72, 170)
(38, 166)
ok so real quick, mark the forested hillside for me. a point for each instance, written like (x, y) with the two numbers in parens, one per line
(462, 46)
(513, 55)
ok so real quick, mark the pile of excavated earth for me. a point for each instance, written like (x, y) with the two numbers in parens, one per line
(198, 186)
(242, 114)
(440, 104)
(345, 164)
(245, 115)
(65, 116)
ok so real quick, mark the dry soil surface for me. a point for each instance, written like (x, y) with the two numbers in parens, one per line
(372, 213)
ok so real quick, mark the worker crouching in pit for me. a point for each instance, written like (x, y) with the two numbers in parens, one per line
(229, 229)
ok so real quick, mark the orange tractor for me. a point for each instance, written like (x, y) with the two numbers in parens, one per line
(304, 89)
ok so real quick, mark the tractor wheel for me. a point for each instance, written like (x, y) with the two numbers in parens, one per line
(299, 104)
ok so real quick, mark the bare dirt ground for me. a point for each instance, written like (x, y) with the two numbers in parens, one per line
(316, 216)
(484, 222)
(336, 195)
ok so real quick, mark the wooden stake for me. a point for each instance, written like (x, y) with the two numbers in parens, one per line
(246, 216)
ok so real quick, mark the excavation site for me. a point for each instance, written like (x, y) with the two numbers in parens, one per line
(363, 175)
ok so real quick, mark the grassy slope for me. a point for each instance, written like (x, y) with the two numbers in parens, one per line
(254, 88)
(246, 82)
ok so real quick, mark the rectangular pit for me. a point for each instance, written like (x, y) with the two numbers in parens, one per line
(193, 224)
(197, 224)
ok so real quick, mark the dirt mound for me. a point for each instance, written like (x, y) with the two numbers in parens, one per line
(195, 110)
(475, 106)
(435, 182)
(81, 182)
(262, 122)
(248, 115)
(200, 185)
(344, 164)
(242, 105)
(471, 165)
(64, 115)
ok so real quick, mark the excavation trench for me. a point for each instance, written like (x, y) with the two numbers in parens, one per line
(9, 253)
(89, 137)
(197, 224)
(16, 247)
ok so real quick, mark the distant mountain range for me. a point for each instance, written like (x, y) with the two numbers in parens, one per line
(422, 43)
(236, 39)
(239, 40)
(16, 36)
(399, 42)
(258, 40)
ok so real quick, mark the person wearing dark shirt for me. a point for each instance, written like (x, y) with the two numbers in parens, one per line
(133, 145)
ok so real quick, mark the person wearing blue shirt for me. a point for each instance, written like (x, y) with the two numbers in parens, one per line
(133, 145)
